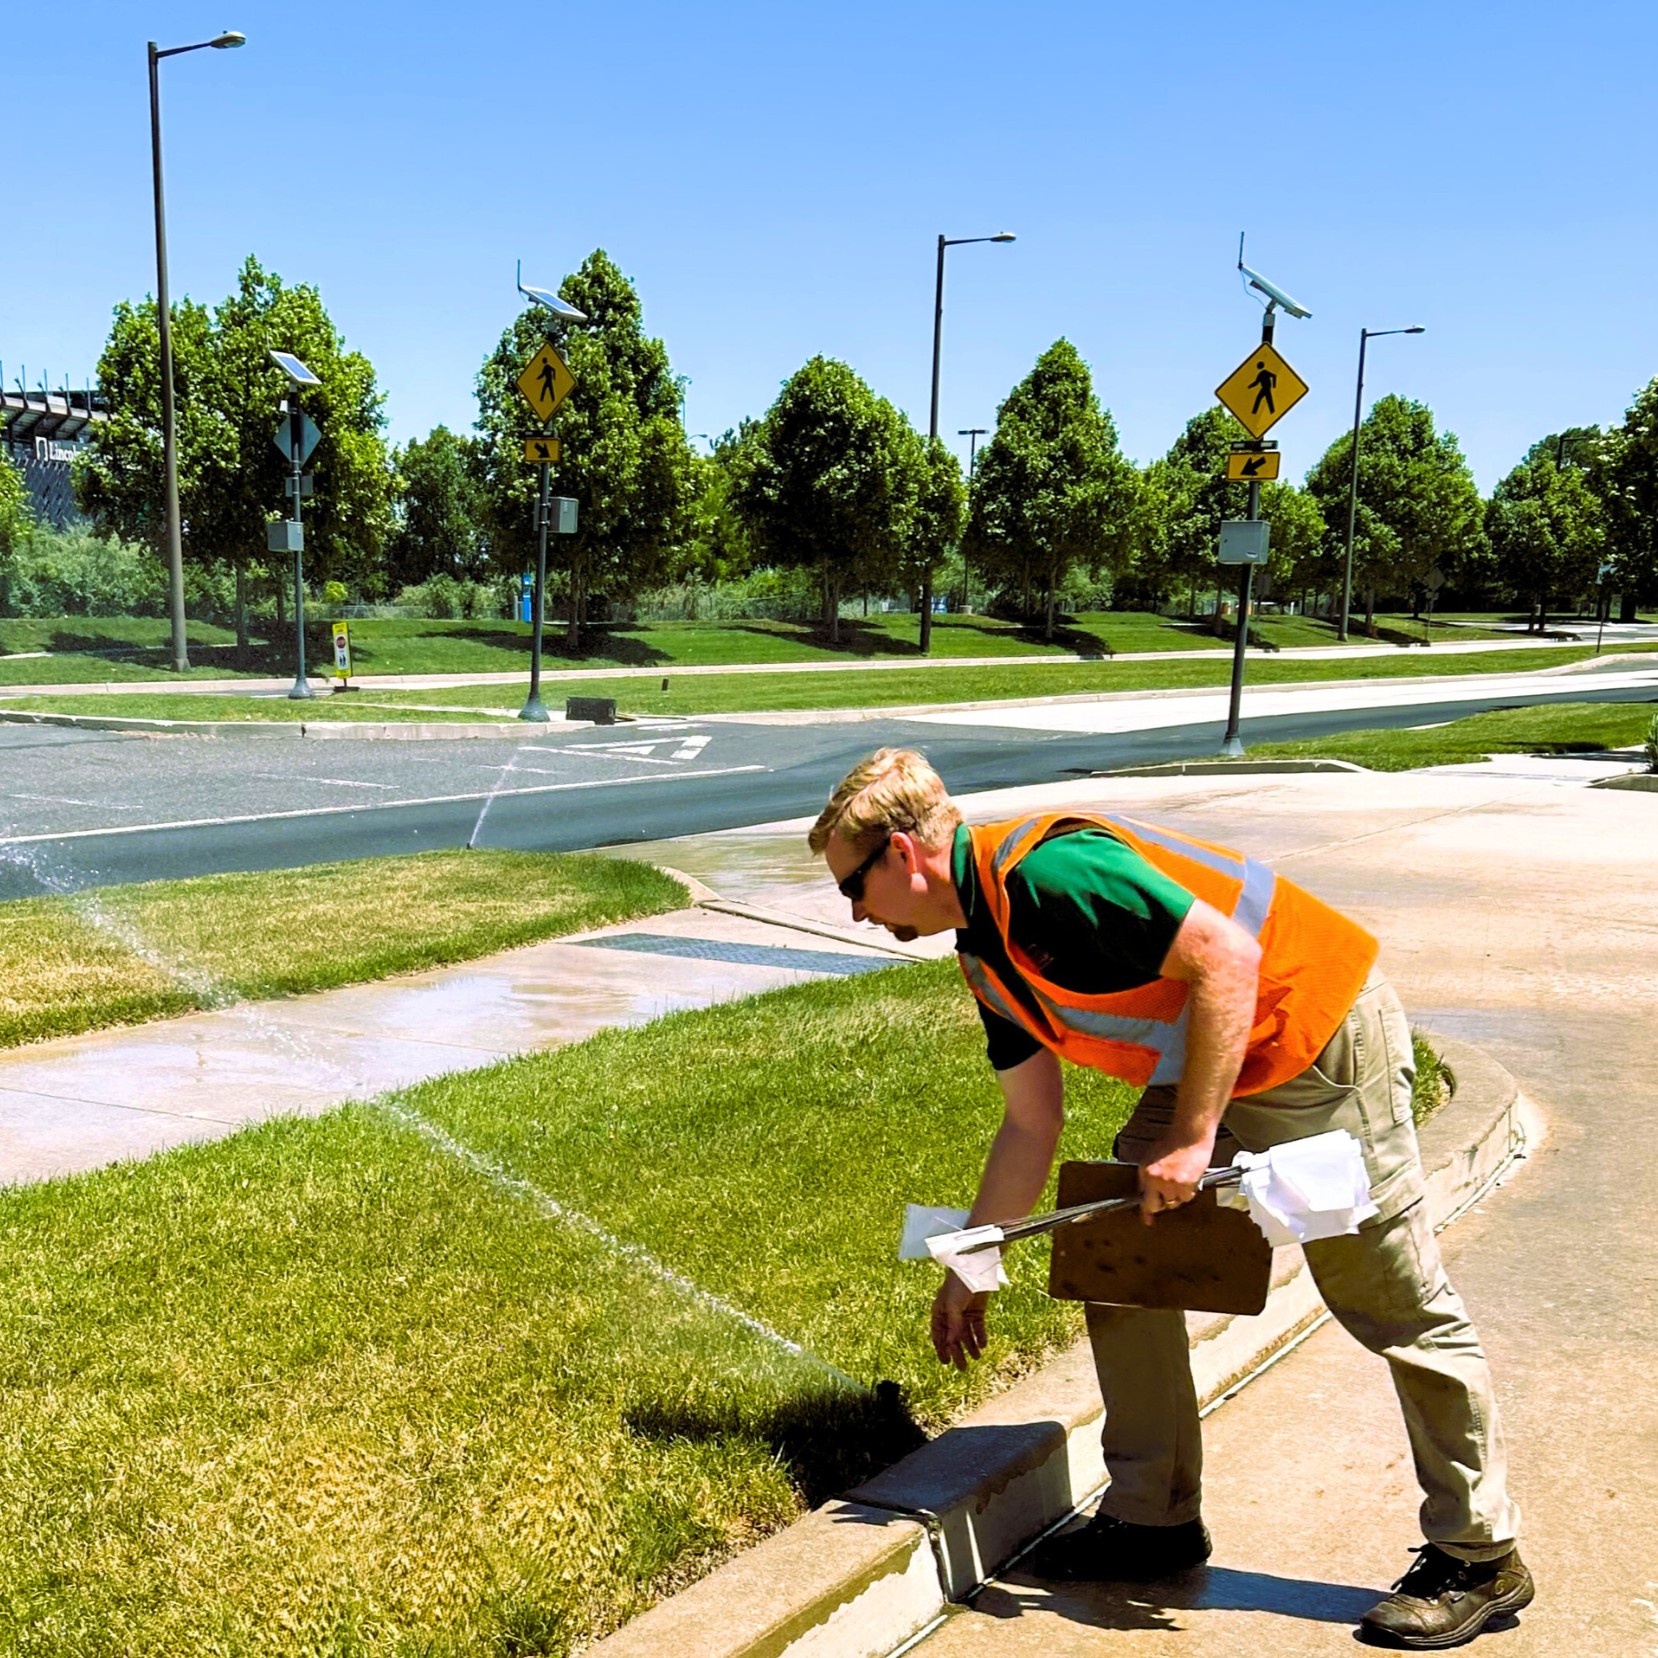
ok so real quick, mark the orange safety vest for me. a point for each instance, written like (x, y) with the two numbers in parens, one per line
(1313, 961)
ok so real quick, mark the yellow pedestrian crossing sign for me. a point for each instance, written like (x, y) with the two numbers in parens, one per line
(546, 382)
(1261, 390)
(540, 450)
(1252, 466)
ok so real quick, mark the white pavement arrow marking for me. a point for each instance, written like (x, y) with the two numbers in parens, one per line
(687, 748)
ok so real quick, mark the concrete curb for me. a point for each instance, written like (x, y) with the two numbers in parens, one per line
(858, 1577)
(404, 730)
(1228, 768)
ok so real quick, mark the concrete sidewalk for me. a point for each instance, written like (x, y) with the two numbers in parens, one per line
(1517, 913)
(80, 1102)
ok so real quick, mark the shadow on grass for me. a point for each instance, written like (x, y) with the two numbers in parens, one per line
(828, 1442)
(855, 638)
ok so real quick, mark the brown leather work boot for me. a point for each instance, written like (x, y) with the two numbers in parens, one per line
(1442, 1601)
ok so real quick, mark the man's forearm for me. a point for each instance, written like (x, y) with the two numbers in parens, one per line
(1014, 1173)
(1217, 1035)
(1033, 1095)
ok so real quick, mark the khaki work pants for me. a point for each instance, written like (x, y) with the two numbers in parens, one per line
(1385, 1285)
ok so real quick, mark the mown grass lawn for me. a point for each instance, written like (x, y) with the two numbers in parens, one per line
(478, 1368)
(280, 710)
(96, 648)
(121, 955)
(843, 687)
(847, 688)
(1561, 728)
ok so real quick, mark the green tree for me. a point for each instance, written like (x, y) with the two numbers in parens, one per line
(227, 395)
(623, 454)
(1053, 493)
(1629, 488)
(1418, 507)
(1547, 530)
(16, 521)
(1185, 498)
(830, 482)
(436, 510)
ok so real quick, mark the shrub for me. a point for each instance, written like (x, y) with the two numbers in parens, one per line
(1651, 744)
(444, 597)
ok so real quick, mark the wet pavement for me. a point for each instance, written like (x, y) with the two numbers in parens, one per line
(80, 1102)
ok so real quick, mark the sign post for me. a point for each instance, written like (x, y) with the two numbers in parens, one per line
(1260, 391)
(544, 384)
(296, 436)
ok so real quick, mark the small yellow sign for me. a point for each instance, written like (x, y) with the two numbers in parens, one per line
(546, 382)
(539, 451)
(1261, 390)
(1252, 466)
(342, 651)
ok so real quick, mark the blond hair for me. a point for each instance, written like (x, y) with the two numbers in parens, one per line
(893, 791)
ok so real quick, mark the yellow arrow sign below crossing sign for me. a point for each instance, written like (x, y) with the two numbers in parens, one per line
(1252, 465)
(546, 382)
(1261, 390)
(538, 450)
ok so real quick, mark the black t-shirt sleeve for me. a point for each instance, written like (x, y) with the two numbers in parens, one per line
(1005, 1043)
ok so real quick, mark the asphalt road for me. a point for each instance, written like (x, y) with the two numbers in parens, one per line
(80, 809)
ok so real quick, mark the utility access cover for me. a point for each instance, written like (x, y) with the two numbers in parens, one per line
(1261, 390)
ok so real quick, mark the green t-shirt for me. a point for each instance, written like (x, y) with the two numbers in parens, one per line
(1086, 908)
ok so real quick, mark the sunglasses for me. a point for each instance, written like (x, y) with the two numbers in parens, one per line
(852, 888)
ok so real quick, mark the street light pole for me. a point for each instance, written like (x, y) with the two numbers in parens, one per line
(1365, 335)
(972, 434)
(932, 408)
(164, 327)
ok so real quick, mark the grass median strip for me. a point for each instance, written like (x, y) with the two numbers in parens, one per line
(94, 648)
(490, 1365)
(844, 687)
(206, 706)
(1584, 728)
(121, 955)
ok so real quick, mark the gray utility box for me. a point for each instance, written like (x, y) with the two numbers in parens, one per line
(285, 536)
(1244, 541)
(562, 511)
(600, 710)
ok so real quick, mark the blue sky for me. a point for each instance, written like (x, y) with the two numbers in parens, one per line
(774, 177)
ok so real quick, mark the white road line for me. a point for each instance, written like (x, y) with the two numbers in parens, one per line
(338, 782)
(367, 806)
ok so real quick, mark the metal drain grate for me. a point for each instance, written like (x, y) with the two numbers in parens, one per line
(745, 955)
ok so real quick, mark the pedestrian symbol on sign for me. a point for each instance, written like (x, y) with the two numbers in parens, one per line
(1262, 386)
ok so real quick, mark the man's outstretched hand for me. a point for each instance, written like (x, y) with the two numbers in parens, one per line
(958, 1322)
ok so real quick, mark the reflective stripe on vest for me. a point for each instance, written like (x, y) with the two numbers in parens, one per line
(1142, 1037)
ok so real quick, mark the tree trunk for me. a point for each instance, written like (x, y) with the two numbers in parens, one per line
(1542, 613)
(241, 608)
(1370, 612)
(926, 613)
(1024, 597)
(1626, 606)
(1048, 625)
(572, 624)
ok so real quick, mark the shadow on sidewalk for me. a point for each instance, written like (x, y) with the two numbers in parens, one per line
(1153, 1606)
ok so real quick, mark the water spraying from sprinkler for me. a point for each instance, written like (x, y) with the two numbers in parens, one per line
(504, 1180)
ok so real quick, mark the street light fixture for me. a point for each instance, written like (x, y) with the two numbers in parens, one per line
(164, 325)
(932, 412)
(1365, 335)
